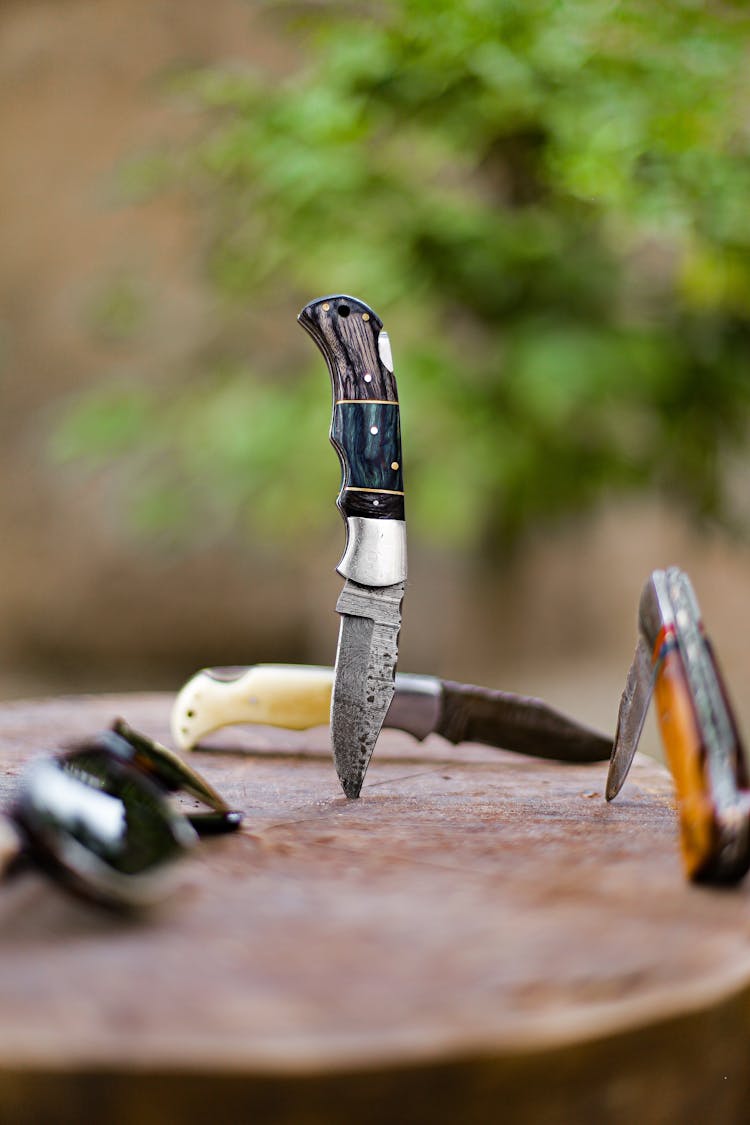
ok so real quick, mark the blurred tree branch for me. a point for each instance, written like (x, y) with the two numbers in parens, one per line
(547, 201)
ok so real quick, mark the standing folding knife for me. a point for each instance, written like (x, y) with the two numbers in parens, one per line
(674, 661)
(366, 433)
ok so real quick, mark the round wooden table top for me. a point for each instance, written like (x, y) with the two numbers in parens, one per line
(479, 934)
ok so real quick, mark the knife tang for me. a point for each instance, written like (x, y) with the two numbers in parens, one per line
(515, 722)
(366, 434)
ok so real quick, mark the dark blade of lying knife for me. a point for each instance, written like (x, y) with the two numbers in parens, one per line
(298, 697)
(366, 434)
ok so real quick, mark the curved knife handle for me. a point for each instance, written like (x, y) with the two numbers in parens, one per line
(687, 761)
(708, 771)
(295, 696)
(365, 427)
(291, 696)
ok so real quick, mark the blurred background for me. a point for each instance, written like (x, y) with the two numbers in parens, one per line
(547, 203)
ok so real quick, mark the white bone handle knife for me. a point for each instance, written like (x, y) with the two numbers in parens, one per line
(299, 697)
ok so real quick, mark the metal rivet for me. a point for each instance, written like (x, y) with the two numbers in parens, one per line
(376, 503)
(394, 464)
(365, 316)
(373, 429)
(368, 378)
(326, 307)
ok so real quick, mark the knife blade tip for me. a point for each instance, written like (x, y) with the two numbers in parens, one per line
(612, 788)
(352, 786)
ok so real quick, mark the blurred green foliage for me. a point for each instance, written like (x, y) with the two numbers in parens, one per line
(548, 203)
(118, 309)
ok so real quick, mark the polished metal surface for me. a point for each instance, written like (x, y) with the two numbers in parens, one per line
(375, 552)
(715, 725)
(636, 697)
(364, 681)
(655, 609)
(416, 706)
(720, 741)
(226, 675)
(384, 350)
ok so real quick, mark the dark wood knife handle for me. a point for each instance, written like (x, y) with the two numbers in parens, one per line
(516, 722)
(365, 425)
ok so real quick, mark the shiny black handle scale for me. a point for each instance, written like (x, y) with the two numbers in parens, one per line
(365, 427)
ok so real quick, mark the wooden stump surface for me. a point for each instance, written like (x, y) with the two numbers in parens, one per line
(479, 937)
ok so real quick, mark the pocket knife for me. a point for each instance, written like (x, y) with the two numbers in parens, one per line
(674, 661)
(366, 434)
(299, 697)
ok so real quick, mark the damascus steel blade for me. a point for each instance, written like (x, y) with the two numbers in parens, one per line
(633, 709)
(364, 680)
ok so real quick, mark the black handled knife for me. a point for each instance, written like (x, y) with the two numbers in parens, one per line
(298, 697)
(366, 434)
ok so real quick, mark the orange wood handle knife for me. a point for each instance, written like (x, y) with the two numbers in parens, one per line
(674, 662)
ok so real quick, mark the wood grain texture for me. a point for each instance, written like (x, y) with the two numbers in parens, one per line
(365, 425)
(479, 936)
(713, 811)
(687, 758)
(349, 344)
(368, 438)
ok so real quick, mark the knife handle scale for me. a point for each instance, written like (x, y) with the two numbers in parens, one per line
(267, 694)
(710, 781)
(686, 757)
(365, 427)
